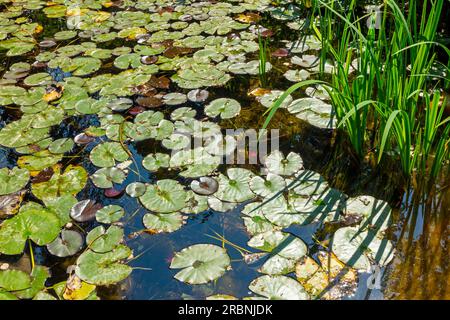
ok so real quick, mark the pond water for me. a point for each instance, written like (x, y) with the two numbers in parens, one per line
(141, 51)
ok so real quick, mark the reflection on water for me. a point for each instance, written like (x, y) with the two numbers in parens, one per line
(421, 269)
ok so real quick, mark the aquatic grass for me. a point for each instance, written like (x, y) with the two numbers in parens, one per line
(381, 80)
(263, 44)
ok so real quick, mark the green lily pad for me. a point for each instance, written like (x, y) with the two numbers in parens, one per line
(136, 189)
(201, 263)
(357, 248)
(107, 153)
(110, 214)
(235, 186)
(14, 280)
(164, 197)
(152, 162)
(106, 177)
(101, 240)
(254, 219)
(278, 288)
(270, 186)
(163, 222)
(225, 107)
(38, 224)
(61, 146)
(278, 164)
(103, 268)
(13, 180)
(70, 182)
(38, 276)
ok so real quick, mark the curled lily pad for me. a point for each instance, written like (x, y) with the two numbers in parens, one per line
(267, 187)
(106, 177)
(84, 210)
(278, 288)
(235, 186)
(278, 164)
(103, 268)
(225, 107)
(136, 189)
(201, 263)
(205, 186)
(67, 244)
(163, 222)
(164, 197)
(153, 162)
(110, 214)
(107, 153)
(13, 180)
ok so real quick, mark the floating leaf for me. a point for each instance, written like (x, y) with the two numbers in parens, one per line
(225, 107)
(201, 263)
(13, 180)
(276, 163)
(67, 244)
(136, 189)
(278, 288)
(153, 162)
(106, 154)
(106, 177)
(101, 240)
(35, 223)
(164, 197)
(163, 222)
(84, 210)
(235, 187)
(109, 214)
(71, 181)
(103, 268)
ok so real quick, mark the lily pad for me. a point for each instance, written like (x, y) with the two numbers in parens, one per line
(13, 180)
(163, 222)
(107, 154)
(235, 186)
(201, 263)
(225, 107)
(278, 164)
(106, 177)
(278, 288)
(103, 268)
(110, 214)
(136, 189)
(35, 223)
(67, 244)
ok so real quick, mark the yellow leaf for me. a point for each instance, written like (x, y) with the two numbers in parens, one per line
(38, 29)
(82, 291)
